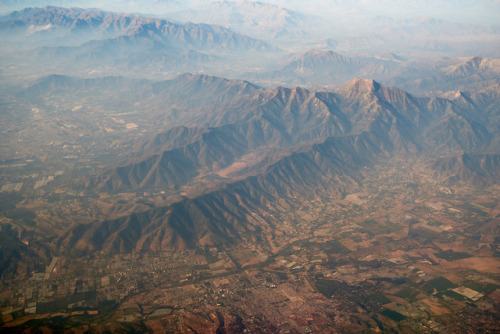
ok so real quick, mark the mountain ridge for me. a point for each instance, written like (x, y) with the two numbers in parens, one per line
(221, 217)
(381, 122)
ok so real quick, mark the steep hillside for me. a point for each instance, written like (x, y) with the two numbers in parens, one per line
(43, 22)
(467, 74)
(477, 169)
(329, 68)
(254, 121)
(91, 41)
(257, 19)
(206, 140)
(237, 211)
(357, 125)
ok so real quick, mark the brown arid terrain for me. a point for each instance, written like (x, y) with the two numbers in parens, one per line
(349, 186)
(406, 253)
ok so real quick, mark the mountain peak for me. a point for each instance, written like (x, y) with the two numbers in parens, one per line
(370, 90)
(364, 83)
(315, 55)
(317, 52)
(358, 86)
(199, 77)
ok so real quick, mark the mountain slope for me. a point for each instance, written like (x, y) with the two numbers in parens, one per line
(467, 74)
(89, 41)
(377, 122)
(265, 123)
(237, 211)
(477, 169)
(329, 68)
(57, 20)
(258, 19)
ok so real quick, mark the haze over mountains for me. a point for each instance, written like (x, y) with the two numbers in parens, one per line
(304, 49)
(292, 144)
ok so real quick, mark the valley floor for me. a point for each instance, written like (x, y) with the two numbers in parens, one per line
(406, 253)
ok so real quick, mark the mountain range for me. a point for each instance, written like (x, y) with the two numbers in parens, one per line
(322, 68)
(100, 41)
(354, 26)
(254, 147)
(90, 42)
(65, 23)
(305, 128)
(257, 19)
(235, 166)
